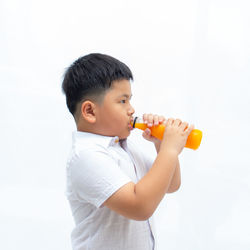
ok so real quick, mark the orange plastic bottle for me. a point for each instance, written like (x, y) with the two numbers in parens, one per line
(193, 140)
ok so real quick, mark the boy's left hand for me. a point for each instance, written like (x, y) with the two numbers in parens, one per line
(152, 120)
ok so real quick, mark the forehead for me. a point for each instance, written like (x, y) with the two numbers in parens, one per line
(121, 87)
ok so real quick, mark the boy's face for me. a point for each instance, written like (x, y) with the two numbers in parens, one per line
(115, 112)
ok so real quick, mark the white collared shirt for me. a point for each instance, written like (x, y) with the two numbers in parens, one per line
(97, 167)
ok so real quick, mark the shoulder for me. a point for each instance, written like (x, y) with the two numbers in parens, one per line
(88, 144)
(89, 156)
(88, 152)
(140, 146)
(141, 150)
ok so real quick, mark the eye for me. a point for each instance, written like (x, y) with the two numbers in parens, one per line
(123, 101)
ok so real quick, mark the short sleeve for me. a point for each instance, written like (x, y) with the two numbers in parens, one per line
(143, 152)
(95, 176)
(148, 159)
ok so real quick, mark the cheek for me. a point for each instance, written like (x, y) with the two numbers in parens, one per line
(118, 123)
(114, 116)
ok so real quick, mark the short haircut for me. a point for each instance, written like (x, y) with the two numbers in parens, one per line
(90, 76)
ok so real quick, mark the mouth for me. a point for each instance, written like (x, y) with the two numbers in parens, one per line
(131, 120)
(130, 126)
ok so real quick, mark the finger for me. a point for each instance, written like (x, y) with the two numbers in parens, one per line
(145, 118)
(177, 122)
(156, 120)
(184, 126)
(189, 129)
(161, 119)
(150, 120)
(147, 133)
(169, 121)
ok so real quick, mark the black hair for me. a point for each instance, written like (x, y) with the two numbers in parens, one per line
(90, 76)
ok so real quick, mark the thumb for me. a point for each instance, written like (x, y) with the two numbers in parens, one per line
(147, 134)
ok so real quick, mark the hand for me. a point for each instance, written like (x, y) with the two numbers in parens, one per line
(175, 135)
(152, 120)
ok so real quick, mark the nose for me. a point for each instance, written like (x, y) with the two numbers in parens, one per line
(131, 110)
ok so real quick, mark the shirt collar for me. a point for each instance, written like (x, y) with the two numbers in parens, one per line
(87, 138)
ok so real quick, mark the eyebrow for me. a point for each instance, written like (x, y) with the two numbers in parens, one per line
(125, 95)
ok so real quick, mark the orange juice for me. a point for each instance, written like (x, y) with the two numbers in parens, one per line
(193, 140)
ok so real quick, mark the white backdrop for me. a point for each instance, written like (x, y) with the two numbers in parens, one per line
(190, 60)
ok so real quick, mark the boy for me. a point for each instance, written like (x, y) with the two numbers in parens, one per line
(113, 189)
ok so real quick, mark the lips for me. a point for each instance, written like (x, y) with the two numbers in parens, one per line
(130, 123)
(130, 127)
(131, 120)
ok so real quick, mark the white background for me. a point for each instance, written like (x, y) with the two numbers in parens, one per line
(190, 60)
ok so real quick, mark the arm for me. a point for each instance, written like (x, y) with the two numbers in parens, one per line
(139, 201)
(176, 180)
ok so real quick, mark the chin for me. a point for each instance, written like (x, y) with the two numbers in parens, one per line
(124, 136)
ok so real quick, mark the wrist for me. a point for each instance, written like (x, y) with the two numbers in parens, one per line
(168, 146)
(169, 153)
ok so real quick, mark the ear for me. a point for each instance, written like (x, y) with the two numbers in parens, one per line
(88, 111)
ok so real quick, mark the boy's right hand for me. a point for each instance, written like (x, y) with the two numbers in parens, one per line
(175, 135)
